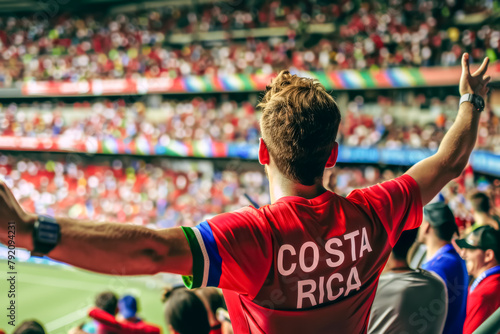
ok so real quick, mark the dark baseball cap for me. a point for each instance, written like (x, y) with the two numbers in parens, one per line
(484, 237)
(439, 216)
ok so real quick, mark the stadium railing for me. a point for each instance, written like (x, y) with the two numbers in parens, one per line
(490, 325)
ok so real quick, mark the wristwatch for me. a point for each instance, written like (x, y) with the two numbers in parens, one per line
(46, 235)
(476, 100)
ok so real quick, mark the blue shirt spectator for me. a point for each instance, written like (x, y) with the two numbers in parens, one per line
(436, 233)
(448, 264)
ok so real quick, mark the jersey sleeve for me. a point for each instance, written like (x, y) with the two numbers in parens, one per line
(230, 251)
(397, 204)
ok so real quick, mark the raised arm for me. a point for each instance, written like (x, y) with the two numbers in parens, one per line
(116, 249)
(433, 173)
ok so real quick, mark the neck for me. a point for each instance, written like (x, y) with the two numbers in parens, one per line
(481, 218)
(483, 269)
(280, 186)
(394, 263)
(433, 246)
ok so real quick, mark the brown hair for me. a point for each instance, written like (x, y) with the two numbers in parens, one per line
(29, 327)
(107, 301)
(299, 124)
(186, 313)
(480, 202)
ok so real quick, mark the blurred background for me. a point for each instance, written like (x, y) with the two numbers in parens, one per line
(143, 112)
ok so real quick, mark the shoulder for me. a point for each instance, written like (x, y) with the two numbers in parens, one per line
(432, 279)
(244, 216)
(488, 288)
(450, 261)
(238, 225)
(483, 299)
(386, 192)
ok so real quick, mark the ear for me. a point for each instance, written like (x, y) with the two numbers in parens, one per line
(263, 153)
(489, 255)
(425, 227)
(332, 160)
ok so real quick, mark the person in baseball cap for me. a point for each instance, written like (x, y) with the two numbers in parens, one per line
(436, 232)
(129, 320)
(128, 308)
(481, 251)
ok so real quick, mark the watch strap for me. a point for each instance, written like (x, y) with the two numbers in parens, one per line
(46, 235)
(465, 98)
(474, 100)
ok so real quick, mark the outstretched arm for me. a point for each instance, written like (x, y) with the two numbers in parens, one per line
(108, 248)
(433, 173)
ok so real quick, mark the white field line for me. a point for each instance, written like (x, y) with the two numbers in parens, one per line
(67, 319)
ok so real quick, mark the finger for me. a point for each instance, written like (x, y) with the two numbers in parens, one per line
(484, 67)
(486, 79)
(465, 64)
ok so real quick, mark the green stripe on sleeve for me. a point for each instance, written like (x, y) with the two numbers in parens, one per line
(192, 282)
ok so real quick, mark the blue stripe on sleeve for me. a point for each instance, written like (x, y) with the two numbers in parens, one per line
(215, 270)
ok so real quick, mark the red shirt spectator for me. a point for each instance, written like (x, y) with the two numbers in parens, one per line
(482, 302)
(110, 324)
(481, 251)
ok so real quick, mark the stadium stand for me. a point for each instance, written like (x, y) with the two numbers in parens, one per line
(74, 46)
(163, 193)
(376, 123)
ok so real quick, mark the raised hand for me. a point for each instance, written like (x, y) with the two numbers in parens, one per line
(476, 83)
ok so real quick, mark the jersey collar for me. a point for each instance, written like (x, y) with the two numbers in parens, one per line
(324, 197)
(445, 249)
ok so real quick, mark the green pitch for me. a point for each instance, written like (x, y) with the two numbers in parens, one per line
(59, 297)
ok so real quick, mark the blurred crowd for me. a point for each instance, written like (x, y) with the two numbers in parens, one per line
(229, 121)
(370, 34)
(164, 193)
(160, 194)
(449, 269)
(391, 126)
(200, 311)
(188, 120)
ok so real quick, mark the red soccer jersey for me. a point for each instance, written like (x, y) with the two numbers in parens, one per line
(304, 266)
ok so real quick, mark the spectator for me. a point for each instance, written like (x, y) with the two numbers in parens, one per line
(109, 324)
(213, 300)
(404, 294)
(127, 306)
(481, 209)
(128, 311)
(29, 327)
(481, 250)
(108, 302)
(185, 313)
(436, 233)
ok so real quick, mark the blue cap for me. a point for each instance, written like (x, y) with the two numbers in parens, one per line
(127, 306)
